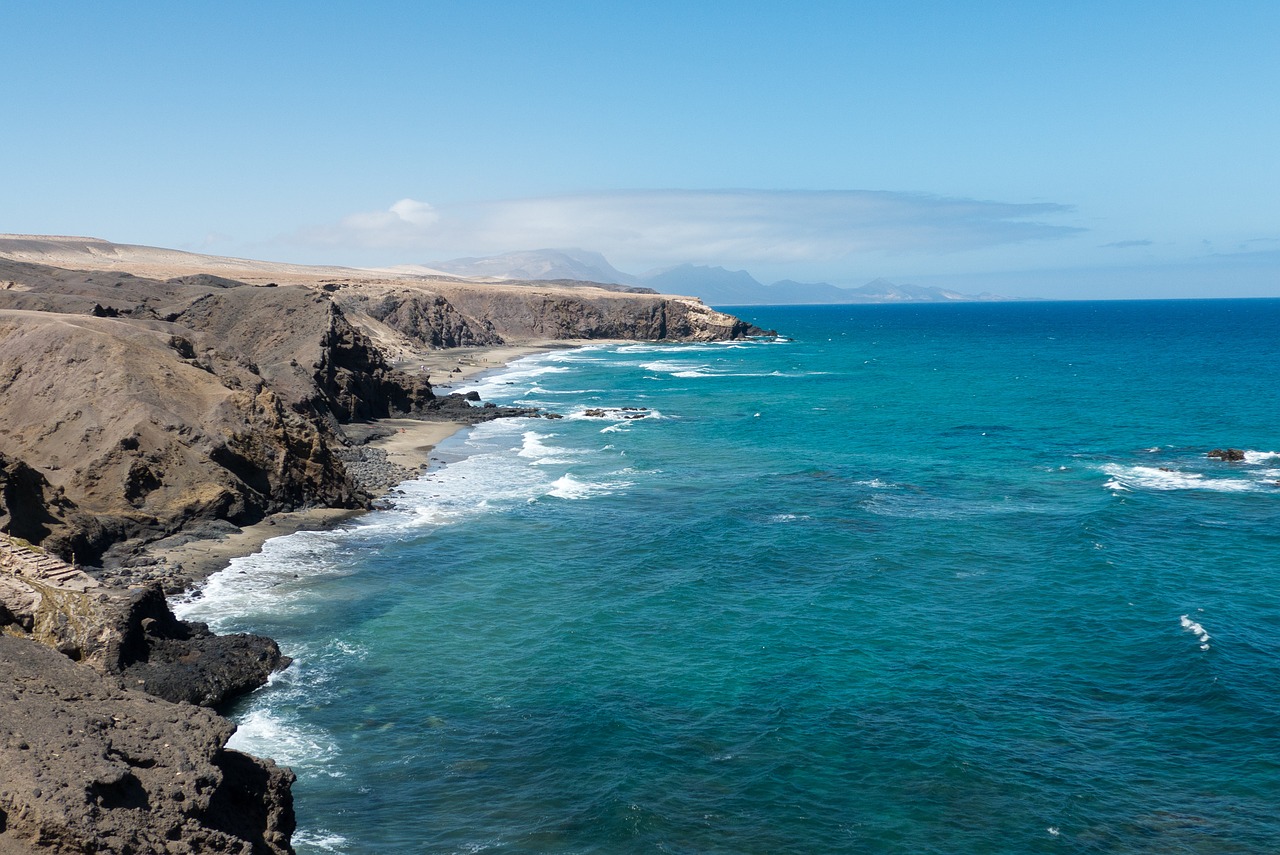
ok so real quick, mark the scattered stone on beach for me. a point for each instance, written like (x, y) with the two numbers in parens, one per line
(1229, 454)
(372, 470)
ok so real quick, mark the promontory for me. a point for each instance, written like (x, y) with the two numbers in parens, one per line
(151, 398)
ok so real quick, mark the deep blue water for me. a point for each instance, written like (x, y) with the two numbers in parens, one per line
(952, 578)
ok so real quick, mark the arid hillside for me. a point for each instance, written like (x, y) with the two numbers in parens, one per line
(143, 390)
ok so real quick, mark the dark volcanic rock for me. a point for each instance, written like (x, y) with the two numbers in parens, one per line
(132, 634)
(457, 408)
(1230, 454)
(183, 661)
(88, 767)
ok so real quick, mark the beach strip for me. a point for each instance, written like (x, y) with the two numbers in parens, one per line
(408, 444)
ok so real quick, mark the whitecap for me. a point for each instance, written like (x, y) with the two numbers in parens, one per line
(538, 390)
(1258, 457)
(1161, 478)
(568, 487)
(322, 839)
(533, 446)
(268, 733)
(1197, 630)
(666, 366)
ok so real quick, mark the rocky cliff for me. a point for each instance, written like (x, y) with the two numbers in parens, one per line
(136, 405)
(103, 744)
(89, 767)
(148, 392)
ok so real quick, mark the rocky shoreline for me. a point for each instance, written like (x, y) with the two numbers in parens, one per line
(159, 417)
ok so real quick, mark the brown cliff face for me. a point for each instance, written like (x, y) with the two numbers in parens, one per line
(436, 313)
(91, 768)
(143, 436)
(179, 402)
(145, 390)
(87, 763)
(149, 403)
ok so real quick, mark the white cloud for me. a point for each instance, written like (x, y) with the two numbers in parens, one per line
(415, 213)
(405, 225)
(733, 227)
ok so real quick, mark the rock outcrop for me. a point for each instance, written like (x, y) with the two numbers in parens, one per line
(129, 633)
(147, 394)
(456, 315)
(149, 405)
(89, 767)
(104, 746)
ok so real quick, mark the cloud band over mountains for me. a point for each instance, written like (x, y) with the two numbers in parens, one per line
(710, 226)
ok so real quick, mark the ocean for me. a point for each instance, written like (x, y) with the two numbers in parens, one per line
(909, 579)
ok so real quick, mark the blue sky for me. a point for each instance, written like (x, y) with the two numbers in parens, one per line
(1064, 149)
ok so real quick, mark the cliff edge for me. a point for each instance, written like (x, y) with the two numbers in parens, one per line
(136, 406)
(149, 394)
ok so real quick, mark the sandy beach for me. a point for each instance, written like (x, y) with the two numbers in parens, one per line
(409, 445)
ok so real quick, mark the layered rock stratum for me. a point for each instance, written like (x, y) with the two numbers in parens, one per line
(149, 393)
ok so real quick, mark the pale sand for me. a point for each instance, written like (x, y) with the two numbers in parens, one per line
(410, 445)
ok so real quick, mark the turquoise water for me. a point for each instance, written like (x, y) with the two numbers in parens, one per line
(919, 579)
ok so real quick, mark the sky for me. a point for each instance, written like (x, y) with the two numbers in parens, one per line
(1048, 149)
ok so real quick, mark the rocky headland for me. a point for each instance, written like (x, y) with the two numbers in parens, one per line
(150, 398)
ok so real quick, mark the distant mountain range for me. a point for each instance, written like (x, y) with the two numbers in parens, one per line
(715, 286)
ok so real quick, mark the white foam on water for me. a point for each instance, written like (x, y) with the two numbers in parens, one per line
(685, 371)
(534, 448)
(268, 733)
(678, 348)
(676, 369)
(569, 487)
(1128, 478)
(1259, 457)
(618, 413)
(322, 839)
(268, 579)
(1197, 630)
(506, 464)
(522, 372)
(538, 390)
